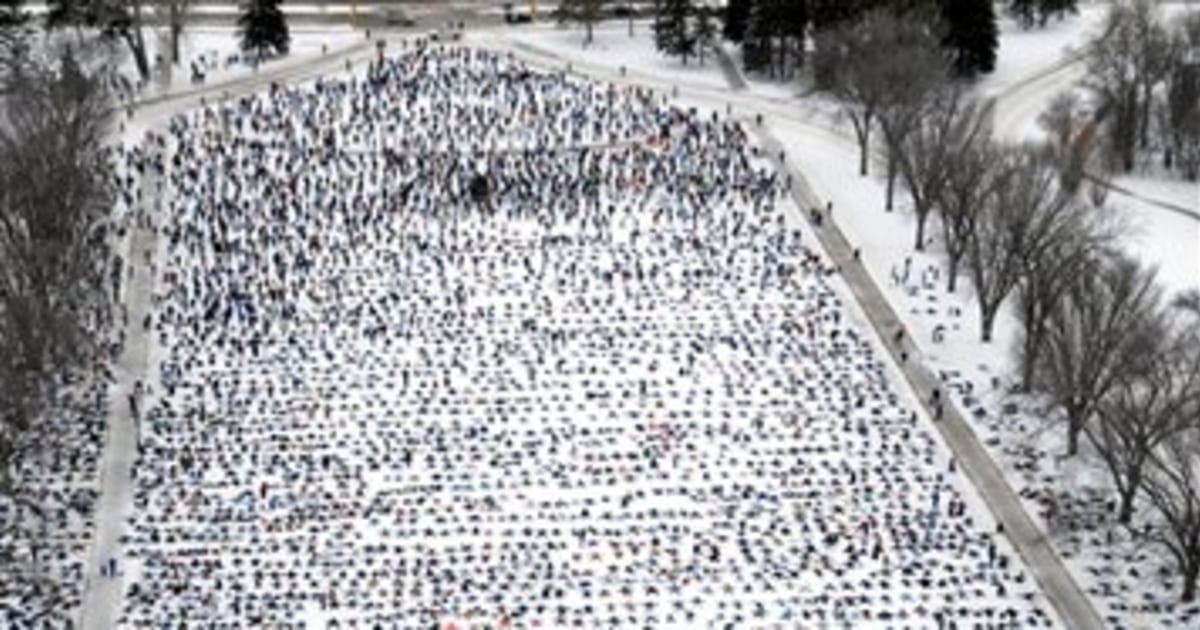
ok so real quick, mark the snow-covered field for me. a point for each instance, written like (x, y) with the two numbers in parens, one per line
(578, 418)
(364, 415)
(1120, 577)
(1124, 578)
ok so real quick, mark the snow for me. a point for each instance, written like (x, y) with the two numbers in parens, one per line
(1028, 52)
(342, 399)
(1024, 443)
(215, 47)
(612, 48)
(1167, 239)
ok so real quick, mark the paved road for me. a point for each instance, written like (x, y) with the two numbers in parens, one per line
(103, 594)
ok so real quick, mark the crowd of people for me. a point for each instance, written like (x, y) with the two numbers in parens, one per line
(457, 342)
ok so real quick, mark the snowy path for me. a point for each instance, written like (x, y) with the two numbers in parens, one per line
(103, 594)
(1074, 607)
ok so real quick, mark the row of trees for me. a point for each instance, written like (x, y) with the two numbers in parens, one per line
(54, 199)
(1145, 79)
(1120, 367)
(682, 29)
(1023, 224)
(775, 33)
(1039, 12)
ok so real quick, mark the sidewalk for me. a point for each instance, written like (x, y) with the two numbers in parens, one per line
(1073, 605)
(103, 595)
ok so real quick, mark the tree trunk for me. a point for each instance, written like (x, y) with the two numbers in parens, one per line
(1144, 122)
(1029, 356)
(138, 49)
(922, 219)
(893, 170)
(863, 133)
(1125, 513)
(952, 273)
(1074, 428)
(139, 37)
(987, 321)
(176, 30)
(588, 41)
(1190, 572)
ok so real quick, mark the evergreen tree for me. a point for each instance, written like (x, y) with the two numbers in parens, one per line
(11, 13)
(775, 36)
(756, 42)
(64, 13)
(704, 32)
(736, 14)
(672, 34)
(972, 35)
(826, 13)
(661, 32)
(1048, 8)
(1023, 11)
(794, 28)
(263, 26)
(585, 12)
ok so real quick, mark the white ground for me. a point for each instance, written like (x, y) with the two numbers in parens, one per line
(1031, 71)
(1167, 239)
(213, 48)
(612, 46)
(670, 312)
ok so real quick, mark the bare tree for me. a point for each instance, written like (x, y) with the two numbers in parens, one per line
(585, 12)
(1179, 111)
(1049, 274)
(953, 123)
(915, 74)
(1142, 411)
(1096, 336)
(1072, 139)
(1125, 62)
(970, 177)
(123, 19)
(1025, 213)
(1172, 487)
(850, 60)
